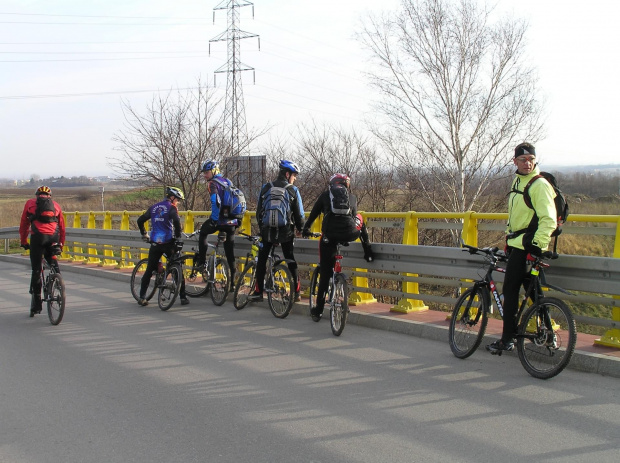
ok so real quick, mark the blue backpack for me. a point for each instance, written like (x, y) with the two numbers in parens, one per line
(233, 204)
(276, 207)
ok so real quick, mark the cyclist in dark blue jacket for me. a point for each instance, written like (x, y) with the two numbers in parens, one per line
(217, 221)
(165, 229)
(284, 235)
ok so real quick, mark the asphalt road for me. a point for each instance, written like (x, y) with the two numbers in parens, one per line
(116, 382)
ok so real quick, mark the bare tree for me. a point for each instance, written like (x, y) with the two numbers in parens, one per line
(457, 95)
(167, 144)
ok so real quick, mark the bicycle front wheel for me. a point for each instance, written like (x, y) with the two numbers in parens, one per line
(55, 298)
(196, 280)
(220, 285)
(136, 281)
(245, 286)
(170, 287)
(547, 338)
(468, 322)
(280, 291)
(339, 307)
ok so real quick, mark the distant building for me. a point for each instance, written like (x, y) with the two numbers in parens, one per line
(247, 173)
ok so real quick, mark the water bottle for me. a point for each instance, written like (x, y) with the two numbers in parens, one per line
(160, 267)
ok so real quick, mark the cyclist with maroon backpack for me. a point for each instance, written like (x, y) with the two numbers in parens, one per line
(532, 220)
(41, 218)
(341, 224)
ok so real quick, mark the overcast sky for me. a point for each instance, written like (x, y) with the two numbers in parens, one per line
(66, 64)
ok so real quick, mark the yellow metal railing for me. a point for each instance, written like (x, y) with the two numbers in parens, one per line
(411, 222)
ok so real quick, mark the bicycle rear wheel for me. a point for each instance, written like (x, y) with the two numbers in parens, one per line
(314, 288)
(55, 298)
(547, 338)
(221, 281)
(245, 286)
(136, 281)
(170, 287)
(468, 322)
(196, 279)
(339, 307)
(280, 291)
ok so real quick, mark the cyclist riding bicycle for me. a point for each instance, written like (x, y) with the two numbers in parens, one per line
(341, 224)
(217, 222)
(539, 221)
(41, 218)
(165, 229)
(279, 212)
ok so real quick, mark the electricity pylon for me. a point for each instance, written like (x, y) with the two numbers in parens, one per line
(234, 111)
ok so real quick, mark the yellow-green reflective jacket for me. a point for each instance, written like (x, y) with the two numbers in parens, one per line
(520, 216)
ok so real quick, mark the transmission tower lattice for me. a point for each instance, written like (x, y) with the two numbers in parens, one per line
(234, 111)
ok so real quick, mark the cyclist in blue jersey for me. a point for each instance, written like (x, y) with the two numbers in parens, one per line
(165, 229)
(217, 222)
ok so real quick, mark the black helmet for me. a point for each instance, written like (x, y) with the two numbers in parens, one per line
(176, 192)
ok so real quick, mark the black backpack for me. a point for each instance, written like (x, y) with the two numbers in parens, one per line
(339, 199)
(561, 204)
(45, 212)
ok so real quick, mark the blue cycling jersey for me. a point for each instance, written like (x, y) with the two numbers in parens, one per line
(162, 216)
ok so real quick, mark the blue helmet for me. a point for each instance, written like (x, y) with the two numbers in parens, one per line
(211, 165)
(289, 165)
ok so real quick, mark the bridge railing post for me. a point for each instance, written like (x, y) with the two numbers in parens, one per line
(410, 236)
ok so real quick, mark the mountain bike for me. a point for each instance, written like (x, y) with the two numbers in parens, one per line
(546, 334)
(213, 276)
(338, 293)
(179, 269)
(53, 287)
(278, 281)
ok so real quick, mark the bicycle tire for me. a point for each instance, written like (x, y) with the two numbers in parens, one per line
(280, 291)
(196, 279)
(170, 287)
(220, 284)
(468, 322)
(56, 298)
(339, 304)
(245, 286)
(547, 338)
(314, 288)
(136, 281)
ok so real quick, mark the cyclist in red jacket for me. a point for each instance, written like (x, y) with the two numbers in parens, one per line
(42, 218)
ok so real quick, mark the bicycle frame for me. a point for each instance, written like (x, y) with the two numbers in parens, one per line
(546, 331)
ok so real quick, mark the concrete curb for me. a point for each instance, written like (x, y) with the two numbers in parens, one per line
(582, 361)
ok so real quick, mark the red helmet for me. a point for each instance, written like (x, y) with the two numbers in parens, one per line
(359, 221)
(342, 179)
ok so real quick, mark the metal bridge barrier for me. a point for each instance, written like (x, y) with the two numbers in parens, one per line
(106, 239)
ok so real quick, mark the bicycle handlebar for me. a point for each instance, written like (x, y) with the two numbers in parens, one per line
(495, 252)
(255, 239)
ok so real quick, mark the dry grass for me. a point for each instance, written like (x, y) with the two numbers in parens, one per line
(70, 199)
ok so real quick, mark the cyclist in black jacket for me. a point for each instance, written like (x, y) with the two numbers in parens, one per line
(336, 229)
(284, 235)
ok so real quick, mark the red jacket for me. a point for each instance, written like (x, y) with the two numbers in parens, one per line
(25, 225)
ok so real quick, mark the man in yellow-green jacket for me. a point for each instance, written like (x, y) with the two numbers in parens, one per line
(528, 233)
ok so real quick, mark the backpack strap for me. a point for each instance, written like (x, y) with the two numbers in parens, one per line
(221, 182)
(526, 191)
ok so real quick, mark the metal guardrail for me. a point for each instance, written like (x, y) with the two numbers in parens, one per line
(597, 277)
